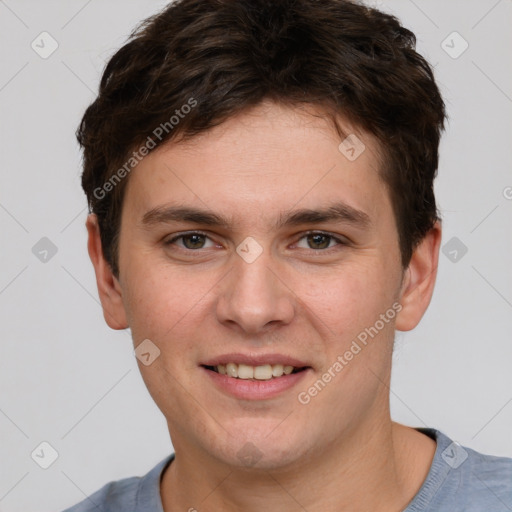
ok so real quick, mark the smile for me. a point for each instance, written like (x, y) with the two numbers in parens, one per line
(247, 372)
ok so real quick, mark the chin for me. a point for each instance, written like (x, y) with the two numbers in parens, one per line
(262, 447)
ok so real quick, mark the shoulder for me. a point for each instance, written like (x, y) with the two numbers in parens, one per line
(127, 494)
(487, 475)
(114, 496)
(462, 479)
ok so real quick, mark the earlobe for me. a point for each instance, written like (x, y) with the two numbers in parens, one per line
(108, 285)
(419, 280)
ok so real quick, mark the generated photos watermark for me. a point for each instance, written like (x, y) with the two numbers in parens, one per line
(158, 133)
(305, 397)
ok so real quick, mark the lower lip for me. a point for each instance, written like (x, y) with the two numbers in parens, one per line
(246, 389)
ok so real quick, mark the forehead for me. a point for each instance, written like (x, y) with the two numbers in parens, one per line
(260, 163)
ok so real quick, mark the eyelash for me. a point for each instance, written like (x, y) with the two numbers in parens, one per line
(332, 237)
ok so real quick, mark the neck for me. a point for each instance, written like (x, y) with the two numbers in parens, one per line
(379, 466)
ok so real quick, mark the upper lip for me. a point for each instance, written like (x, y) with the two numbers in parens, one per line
(255, 360)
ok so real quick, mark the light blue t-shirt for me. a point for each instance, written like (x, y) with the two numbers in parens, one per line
(459, 480)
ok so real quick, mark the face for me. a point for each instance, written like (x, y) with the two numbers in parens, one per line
(259, 246)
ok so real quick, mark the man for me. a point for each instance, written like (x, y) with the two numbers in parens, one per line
(260, 180)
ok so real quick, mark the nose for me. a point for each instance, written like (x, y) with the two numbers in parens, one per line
(254, 296)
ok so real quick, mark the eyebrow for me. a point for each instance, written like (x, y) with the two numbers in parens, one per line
(337, 212)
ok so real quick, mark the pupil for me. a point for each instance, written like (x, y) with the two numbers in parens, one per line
(317, 240)
(197, 243)
(321, 241)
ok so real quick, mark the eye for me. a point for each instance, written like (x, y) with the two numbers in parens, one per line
(195, 240)
(191, 241)
(321, 241)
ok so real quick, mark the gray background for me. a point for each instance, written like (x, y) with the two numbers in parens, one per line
(68, 380)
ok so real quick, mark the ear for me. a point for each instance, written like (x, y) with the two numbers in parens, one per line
(108, 285)
(419, 279)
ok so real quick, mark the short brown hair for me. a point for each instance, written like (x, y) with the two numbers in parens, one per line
(230, 55)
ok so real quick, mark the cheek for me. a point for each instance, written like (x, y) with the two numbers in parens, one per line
(347, 301)
(154, 301)
(165, 303)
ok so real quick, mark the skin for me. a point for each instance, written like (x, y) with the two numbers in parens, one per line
(341, 451)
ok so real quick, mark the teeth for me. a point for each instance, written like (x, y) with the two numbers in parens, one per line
(263, 372)
(232, 370)
(287, 370)
(245, 372)
(277, 370)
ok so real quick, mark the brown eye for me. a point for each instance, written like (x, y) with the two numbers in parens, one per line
(194, 241)
(190, 241)
(320, 241)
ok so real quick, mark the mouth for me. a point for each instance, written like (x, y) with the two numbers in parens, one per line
(260, 372)
(255, 377)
